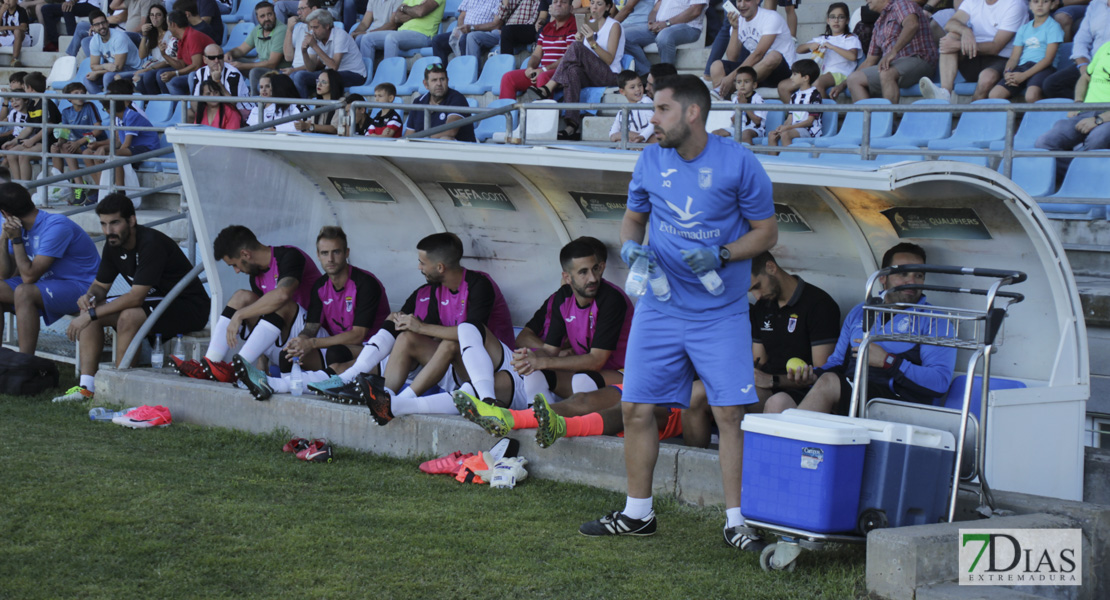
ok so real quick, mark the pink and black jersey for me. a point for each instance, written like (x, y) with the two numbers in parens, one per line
(288, 261)
(361, 303)
(478, 301)
(602, 324)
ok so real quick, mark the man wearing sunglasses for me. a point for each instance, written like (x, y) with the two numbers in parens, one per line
(266, 40)
(217, 70)
(111, 51)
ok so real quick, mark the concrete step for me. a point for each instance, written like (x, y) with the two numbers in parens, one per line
(955, 591)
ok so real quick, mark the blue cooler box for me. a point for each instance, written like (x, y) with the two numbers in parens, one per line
(801, 473)
(907, 472)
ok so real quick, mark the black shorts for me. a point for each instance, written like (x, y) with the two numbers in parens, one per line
(1034, 81)
(796, 394)
(184, 316)
(794, 3)
(875, 389)
(970, 68)
(338, 355)
(780, 73)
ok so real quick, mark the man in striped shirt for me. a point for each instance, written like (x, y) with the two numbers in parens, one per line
(554, 40)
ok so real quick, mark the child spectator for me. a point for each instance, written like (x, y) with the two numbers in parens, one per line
(15, 84)
(17, 115)
(32, 138)
(751, 121)
(1035, 46)
(14, 29)
(836, 52)
(129, 142)
(387, 123)
(361, 118)
(801, 124)
(84, 122)
(640, 129)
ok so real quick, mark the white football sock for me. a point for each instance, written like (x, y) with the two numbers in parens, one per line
(88, 382)
(264, 335)
(217, 345)
(434, 404)
(581, 382)
(477, 361)
(536, 383)
(373, 352)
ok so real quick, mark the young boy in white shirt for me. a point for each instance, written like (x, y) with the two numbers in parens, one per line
(640, 129)
(751, 121)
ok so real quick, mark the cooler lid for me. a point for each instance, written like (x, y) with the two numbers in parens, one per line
(806, 430)
(885, 431)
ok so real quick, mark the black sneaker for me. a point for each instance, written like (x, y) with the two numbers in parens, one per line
(347, 394)
(372, 394)
(615, 523)
(737, 537)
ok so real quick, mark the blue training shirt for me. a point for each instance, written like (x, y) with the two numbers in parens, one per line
(76, 258)
(707, 201)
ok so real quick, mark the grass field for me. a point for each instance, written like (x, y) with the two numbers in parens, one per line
(95, 510)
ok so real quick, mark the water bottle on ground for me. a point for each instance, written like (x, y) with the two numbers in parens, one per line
(637, 282)
(156, 356)
(712, 282)
(104, 415)
(296, 379)
(179, 347)
(659, 284)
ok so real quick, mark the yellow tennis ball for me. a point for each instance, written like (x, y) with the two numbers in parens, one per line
(795, 363)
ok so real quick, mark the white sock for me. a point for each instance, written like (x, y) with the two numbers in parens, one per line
(217, 345)
(733, 518)
(477, 361)
(435, 404)
(265, 334)
(280, 385)
(581, 382)
(637, 508)
(373, 352)
(405, 393)
(88, 382)
(536, 383)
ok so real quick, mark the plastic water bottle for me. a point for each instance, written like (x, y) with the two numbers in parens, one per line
(637, 282)
(296, 378)
(179, 348)
(712, 282)
(156, 356)
(659, 284)
(104, 415)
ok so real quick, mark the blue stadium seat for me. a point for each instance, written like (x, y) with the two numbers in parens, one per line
(245, 12)
(238, 35)
(415, 82)
(914, 91)
(592, 94)
(982, 161)
(773, 120)
(955, 397)
(1033, 124)
(1086, 178)
(962, 86)
(451, 9)
(462, 71)
(163, 113)
(851, 131)
(975, 130)
(1035, 174)
(369, 70)
(82, 69)
(390, 70)
(828, 126)
(490, 79)
(918, 129)
(627, 62)
(485, 129)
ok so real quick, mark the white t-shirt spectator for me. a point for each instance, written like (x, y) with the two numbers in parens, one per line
(383, 10)
(767, 22)
(670, 9)
(299, 31)
(275, 111)
(835, 63)
(341, 42)
(639, 121)
(986, 20)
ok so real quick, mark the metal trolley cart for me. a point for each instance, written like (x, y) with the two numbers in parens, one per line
(972, 329)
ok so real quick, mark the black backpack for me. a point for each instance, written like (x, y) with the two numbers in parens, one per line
(25, 374)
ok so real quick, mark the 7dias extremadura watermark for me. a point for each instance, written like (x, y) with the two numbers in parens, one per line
(1021, 557)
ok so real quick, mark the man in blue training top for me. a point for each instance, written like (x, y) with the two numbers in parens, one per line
(708, 203)
(900, 370)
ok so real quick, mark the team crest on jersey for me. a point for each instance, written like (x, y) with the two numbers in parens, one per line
(792, 323)
(349, 303)
(705, 178)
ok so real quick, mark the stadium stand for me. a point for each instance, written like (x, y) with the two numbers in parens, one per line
(245, 12)
(1035, 174)
(237, 35)
(490, 80)
(918, 129)
(1085, 180)
(851, 131)
(415, 83)
(1033, 124)
(977, 131)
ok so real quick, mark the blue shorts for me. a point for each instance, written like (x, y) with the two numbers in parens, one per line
(664, 352)
(59, 296)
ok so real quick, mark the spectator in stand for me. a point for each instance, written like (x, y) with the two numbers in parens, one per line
(44, 253)
(791, 14)
(127, 15)
(838, 49)
(174, 78)
(412, 26)
(266, 40)
(980, 39)
(439, 93)
(84, 128)
(751, 121)
(376, 17)
(800, 124)
(111, 51)
(17, 114)
(658, 71)
(760, 40)
(328, 48)
(221, 115)
(130, 142)
(204, 15)
(155, 39)
(227, 76)
(1035, 49)
(195, 21)
(1087, 130)
(361, 115)
(387, 123)
(30, 139)
(519, 28)
(34, 9)
(902, 51)
(68, 10)
(670, 23)
(296, 28)
(1069, 14)
(1094, 32)
(276, 85)
(640, 129)
(15, 84)
(477, 29)
(329, 86)
(286, 8)
(14, 30)
(554, 39)
(593, 60)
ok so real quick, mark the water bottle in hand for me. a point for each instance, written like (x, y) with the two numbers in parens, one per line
(156, 356)
(637, 282)
(659, 284)
(712, 282)
(296, 378)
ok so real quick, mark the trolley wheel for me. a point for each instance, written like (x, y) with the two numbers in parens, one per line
(766, 562)
(871, 519)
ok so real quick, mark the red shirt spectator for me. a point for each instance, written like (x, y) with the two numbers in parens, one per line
(555, 38)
